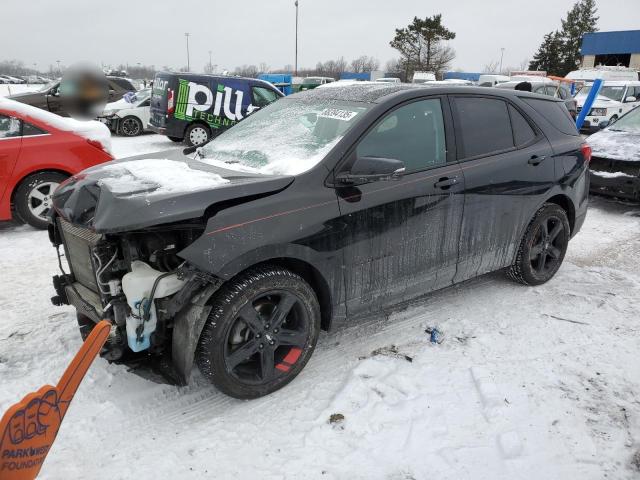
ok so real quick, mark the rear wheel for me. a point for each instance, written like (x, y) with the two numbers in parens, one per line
(260, 334)
(33, 197)
(197, 134)
(543, 246)
(131, 126)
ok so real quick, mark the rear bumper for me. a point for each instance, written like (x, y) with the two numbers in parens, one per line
(158, 130)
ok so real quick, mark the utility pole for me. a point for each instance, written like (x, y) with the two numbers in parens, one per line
(210, 64)
(501, 57)
(58, 62)
(188, 65)
(296, 63)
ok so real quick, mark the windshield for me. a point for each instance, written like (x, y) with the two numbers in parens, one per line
(312, 81)
(614, 93)
(628, 123)
(288, 137)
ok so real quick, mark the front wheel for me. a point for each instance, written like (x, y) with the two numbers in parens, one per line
(131, 126)
(261, 332)
(197, 134)
(543, 246)
(32, 200)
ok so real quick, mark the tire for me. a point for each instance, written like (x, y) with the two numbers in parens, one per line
(130, 126)
(33, 197)
(543, 246)
(197, 134)
(244, 331)
(176, 139)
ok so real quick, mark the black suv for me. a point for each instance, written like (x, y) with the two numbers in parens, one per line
(48, 97)
(312, 211)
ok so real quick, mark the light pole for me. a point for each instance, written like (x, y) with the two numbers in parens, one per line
(296, 62)
(210, 64)
(186, 35)
(58, 62)
(501, 57)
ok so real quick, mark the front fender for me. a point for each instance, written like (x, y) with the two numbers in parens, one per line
(187, 327)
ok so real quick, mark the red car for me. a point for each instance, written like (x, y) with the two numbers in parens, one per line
(38, 151)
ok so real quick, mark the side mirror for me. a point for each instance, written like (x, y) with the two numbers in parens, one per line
(604, 124)
(631, 99)
(372, 169)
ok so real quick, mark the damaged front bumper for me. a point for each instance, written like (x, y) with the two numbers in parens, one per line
(168, 334)
(615, 178)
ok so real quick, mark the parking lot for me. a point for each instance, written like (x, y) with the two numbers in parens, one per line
(526, 379)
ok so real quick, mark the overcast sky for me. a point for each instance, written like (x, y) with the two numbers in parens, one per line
(254, 31)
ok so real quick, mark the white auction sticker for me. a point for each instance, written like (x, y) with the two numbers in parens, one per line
(338, 114)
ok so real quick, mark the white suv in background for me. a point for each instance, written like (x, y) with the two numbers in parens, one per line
(614, 100)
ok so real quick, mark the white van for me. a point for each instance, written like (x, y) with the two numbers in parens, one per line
(614, 100)
(621, 74)
(423, 77)
(491, 79)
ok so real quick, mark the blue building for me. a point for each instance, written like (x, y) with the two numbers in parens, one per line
(471, 76)
(612, 49)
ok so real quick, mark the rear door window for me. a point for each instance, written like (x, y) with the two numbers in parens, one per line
(556, 113)
(522, 131)
(483, 125)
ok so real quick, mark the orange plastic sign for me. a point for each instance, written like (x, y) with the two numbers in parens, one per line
(30, 426)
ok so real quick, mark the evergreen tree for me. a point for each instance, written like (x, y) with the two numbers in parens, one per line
(559, 52)
(420, 45)
(580, 19)
(549, 56)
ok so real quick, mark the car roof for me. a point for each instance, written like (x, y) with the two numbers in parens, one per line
(617, 83)
(378, 92)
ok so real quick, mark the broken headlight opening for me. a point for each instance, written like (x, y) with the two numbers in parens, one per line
(136, 280)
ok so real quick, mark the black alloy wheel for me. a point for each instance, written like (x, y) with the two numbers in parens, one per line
(543, 246)
(131, 126)
(261, 332)
(266, 338)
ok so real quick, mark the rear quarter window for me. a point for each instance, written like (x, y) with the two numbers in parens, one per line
(556, 114)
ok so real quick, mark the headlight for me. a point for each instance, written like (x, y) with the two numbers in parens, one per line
(598, 112)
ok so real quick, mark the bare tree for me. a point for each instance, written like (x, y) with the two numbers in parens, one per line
(364, 64)
(264, 68)
(250, 71)
(491, 67)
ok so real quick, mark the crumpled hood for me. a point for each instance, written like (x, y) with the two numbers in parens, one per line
(137, 193)
(118, 105)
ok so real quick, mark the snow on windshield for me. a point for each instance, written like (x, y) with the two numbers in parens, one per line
(89, 129)
(157, 176)
(288, 137)
(628, 123)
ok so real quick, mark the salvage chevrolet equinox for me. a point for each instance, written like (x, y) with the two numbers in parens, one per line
(314, 210)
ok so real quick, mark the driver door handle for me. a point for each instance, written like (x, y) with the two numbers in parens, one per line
(445, 182)
(536, 160)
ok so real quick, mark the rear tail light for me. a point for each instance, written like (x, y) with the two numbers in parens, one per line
(586, 152)
(170, 101)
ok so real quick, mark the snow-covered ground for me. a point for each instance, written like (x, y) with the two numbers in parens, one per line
(529, 383)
